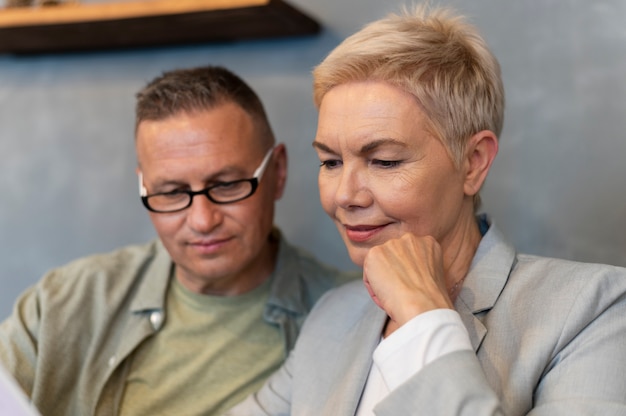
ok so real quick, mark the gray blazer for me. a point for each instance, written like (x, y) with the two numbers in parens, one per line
(549, 338)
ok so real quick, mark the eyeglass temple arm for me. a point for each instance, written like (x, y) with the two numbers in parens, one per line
(266, 159)
(144, 192)
(142, 189)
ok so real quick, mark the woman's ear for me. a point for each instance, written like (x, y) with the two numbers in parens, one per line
(480, 152)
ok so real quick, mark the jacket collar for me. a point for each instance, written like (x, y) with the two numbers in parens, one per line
(151, 293)
(286, 292)
(488, 274)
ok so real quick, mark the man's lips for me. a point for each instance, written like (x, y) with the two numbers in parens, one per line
(362, 233)
(208, 246)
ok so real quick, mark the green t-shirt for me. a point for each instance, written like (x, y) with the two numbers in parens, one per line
(211, 353)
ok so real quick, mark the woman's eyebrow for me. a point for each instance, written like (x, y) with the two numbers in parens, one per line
(380, 142)
(366, 148)
(321, 146)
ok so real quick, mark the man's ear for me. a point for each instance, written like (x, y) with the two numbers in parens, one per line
(480, 152)
(280, 163)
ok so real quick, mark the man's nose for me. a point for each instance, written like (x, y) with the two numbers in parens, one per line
(203, 215)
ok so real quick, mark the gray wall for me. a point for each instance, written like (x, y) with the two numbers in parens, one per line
(67, 183)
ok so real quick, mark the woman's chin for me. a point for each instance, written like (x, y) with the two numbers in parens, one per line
(357, 255)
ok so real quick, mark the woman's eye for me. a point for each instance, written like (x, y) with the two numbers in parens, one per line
(330, 164)
(386, 163)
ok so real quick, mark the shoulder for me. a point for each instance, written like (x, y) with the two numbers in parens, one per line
(500, 273)
(92, 289)
(556, 317)
(565, 276)
(343, 306)
(564, 295)
(351, 293)
(100, 273)
(120, 256)
(316, 276)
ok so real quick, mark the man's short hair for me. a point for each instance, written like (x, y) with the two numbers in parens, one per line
(197, 89)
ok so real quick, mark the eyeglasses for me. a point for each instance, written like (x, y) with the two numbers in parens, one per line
(220, 193)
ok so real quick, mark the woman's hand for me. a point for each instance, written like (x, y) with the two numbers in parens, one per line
(405, 277)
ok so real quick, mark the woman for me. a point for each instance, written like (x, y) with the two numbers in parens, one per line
(450, 319)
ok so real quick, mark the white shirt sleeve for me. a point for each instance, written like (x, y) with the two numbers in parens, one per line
(418, 342)
(411, 347)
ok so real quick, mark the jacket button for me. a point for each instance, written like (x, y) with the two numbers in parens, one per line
(156, 320)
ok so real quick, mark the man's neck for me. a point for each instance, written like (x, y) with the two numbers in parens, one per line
(245, 280)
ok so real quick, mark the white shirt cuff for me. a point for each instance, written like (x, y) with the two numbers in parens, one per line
(420, 341)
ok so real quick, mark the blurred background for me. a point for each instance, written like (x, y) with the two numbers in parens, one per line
(557, 188)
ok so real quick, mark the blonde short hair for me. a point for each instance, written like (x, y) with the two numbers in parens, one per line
(432, 54)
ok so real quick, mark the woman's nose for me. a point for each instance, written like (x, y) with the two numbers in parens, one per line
(352, 189)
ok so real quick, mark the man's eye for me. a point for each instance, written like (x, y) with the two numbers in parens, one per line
(230, 189)
(170, 196)
(226, 185)
(386, 163)
(330, 164)
(174, 193)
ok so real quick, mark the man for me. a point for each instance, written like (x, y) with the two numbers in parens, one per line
(193, 322)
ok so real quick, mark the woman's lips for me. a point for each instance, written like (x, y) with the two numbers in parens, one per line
(362, 233)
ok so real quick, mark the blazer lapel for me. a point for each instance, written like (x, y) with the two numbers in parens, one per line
(486, 279)
(474, 326)
(354, 362)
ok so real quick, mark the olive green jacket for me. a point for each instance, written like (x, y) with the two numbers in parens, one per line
(70, 336)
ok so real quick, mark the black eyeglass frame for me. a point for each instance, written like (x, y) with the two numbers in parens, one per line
(254, 184)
